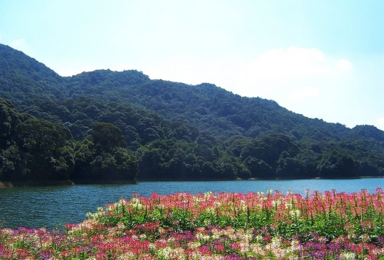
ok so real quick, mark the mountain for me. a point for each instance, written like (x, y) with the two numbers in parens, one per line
(22, 77)
(180, 131)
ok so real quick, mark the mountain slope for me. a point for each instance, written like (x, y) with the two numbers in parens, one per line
(199, 130)
(22, 77)
(206, 106)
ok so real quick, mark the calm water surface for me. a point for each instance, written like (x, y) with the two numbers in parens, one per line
(53, 207)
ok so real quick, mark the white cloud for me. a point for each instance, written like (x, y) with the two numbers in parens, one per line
(305, 92)
(280, 65)
(21, 45)
(344, 65)
(270, 75)
(290, 63)
(18, 44)
(380, 123)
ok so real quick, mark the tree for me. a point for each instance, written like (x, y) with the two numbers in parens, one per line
(107, 136)
(269, 148)
(9, 121)
(291, 168)
(337, 164)
(102, 159)
(259, 168)
(44, 152)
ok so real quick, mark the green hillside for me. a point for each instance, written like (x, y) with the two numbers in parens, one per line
(155, 129)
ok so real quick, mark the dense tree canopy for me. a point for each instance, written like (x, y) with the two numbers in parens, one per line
(103, 126)
(38, 151)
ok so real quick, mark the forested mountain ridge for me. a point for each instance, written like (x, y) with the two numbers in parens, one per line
(206, 106)
(22, 77)
(179, 131)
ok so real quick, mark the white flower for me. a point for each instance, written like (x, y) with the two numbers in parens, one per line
(135, 203)
(295, 213)
(276, 241)
(348, 255)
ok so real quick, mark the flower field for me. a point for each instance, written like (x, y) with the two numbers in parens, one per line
(328, 225)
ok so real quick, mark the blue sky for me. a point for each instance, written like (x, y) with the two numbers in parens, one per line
(323, 59)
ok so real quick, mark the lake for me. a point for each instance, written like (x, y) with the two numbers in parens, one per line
(53, 207)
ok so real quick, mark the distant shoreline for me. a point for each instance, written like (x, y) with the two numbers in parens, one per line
(7, 184)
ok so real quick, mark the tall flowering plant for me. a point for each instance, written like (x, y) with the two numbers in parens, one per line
(328, 225)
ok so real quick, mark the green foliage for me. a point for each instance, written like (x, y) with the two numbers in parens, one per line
(9, 120)
(94, 164)
(34, 149)
(38, 151)
(168, 130)
(338, 165)
(107, 136)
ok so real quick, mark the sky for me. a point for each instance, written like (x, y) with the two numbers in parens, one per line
(322, 59)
